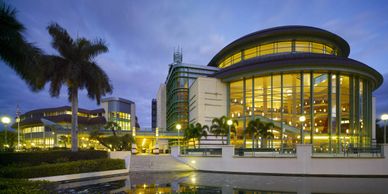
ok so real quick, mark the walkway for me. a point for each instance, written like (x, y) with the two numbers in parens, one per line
(157, 163)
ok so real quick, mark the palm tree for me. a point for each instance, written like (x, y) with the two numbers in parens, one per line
(200, 131)
(115, 141)
(252, 130)
(219, 127)
(113, 126)
(23, 57)
(75, 68)
(188, 133)
(264, 133)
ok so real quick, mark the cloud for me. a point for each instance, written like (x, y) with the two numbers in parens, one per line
(142, 35)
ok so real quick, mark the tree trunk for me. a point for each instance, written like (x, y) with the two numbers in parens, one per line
(253, 141)
(194, 142)
(74, 120)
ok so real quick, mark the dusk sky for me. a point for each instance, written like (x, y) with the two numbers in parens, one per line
(142, 35)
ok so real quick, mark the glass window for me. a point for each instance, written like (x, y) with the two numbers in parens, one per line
(266, 49)
(317, 48)
(276, 98)
(307, 106)
(320, 101)
(250, 53)
(263, 96)
(283, 47)
(344, 109)
(236, 58)
(236, 99)
(302, 46)
(334, 141)
(248, 98)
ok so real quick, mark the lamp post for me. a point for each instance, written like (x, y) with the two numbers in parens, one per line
(229, 122)
(178, 127)
(302, 119)
(5, 120)
(384, 117)
(18, 121)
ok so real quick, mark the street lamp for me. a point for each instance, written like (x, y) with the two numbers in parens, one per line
(384, 117)
(302, 119)
(5, 120)
(230, 123)
(178, 127)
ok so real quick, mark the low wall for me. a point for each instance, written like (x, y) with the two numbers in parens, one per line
(302, 164)
(124, 155)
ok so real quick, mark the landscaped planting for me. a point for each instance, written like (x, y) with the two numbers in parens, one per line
(62, 168)
(36, 158)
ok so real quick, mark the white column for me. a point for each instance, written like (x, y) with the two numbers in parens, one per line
(374, 120)
(303, 155)
(385, 150)
(227, 151)
(175, 150)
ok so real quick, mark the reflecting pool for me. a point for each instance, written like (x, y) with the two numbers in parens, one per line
(203, 182)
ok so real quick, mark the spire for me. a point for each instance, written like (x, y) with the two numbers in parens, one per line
(17, 111)
(178, 55)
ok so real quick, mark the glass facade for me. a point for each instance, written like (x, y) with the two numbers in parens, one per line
(122, 119)
(275, 48)
(333, 105)
(179, 80)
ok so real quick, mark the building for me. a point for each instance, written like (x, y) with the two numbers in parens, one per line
(161, 108)
(297, 77)
(51, 127)
(153, 113)
(179, 79)
(121, 111)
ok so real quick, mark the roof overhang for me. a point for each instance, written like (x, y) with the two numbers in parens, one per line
(299, 62)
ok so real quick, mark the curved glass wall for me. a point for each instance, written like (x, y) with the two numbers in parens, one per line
(335, 107)
(277, 47)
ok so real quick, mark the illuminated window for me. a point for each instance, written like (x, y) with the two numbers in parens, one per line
(250, 53)
(302, 46)
(267, 49)
(283, 47)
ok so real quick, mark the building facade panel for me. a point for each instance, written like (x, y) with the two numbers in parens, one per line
(207, 100)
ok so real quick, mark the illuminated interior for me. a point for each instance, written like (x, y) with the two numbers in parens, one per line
(325, 99)
(276, 48)
(122, 119)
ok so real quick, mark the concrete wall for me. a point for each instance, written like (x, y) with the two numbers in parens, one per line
(207, 100)
(161, 108)
(302, 164)
(124, 155)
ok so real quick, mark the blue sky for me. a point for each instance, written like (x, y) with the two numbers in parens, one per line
(141, 36)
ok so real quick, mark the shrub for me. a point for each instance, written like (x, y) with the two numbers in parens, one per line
(62, 168)
(25, 186)
(36, 158)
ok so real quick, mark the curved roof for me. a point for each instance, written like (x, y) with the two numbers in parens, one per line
(63, 108)
(299, 62)
(278, 32)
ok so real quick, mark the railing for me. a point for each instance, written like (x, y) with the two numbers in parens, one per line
(201, 151)
(265, 152)
(373, 150)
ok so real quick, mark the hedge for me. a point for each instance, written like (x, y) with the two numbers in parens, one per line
(36, 158)
(25, 186)
(62, 168)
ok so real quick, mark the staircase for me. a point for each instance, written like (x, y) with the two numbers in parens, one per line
(156, 163)
(278, 124)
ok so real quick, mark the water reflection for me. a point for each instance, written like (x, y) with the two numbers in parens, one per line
(201, 182)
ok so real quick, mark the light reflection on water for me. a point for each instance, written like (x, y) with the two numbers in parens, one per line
(203, 182)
